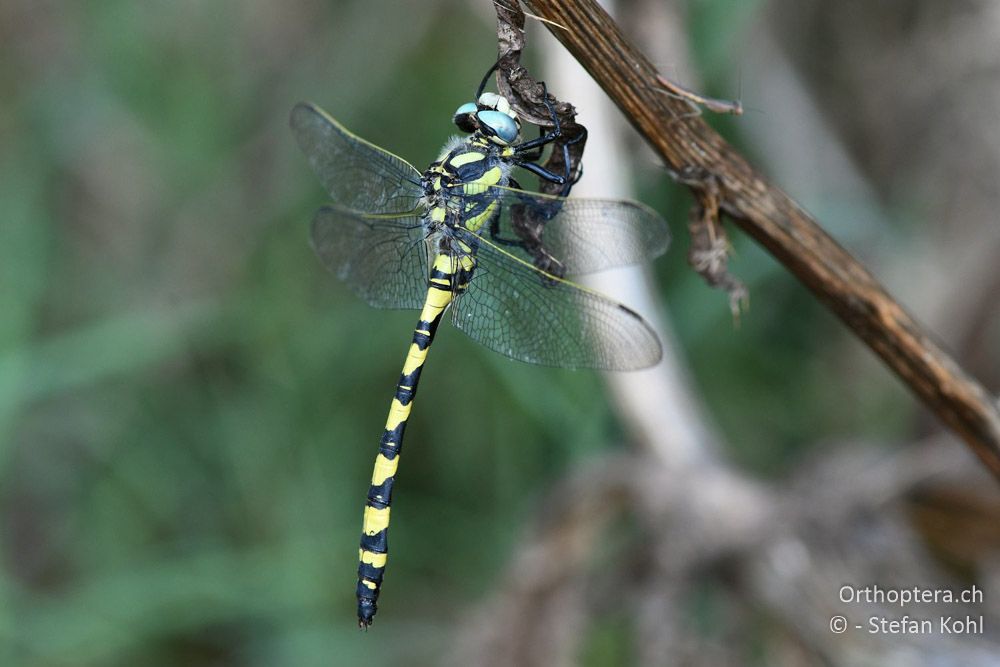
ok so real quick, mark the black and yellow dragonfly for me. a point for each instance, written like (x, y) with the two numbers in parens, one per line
(462, 236)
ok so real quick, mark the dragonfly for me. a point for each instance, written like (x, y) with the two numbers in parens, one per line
(463, 236)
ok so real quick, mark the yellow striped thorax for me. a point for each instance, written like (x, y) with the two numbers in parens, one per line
(458, 186)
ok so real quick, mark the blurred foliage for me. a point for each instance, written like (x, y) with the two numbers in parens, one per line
(189, 405)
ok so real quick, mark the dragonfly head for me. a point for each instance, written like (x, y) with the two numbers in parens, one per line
(491, 116)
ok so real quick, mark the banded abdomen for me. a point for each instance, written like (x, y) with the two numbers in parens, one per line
(449, 275)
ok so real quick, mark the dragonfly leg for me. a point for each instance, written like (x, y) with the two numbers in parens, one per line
(549, 136)
(541, 172)
(529, 152)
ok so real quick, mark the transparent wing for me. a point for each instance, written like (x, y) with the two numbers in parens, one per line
(357, 174)
(383, 259)
(584, 235)
(514, 309)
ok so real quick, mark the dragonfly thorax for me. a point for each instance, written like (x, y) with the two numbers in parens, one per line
(462, 179)
(459, 187)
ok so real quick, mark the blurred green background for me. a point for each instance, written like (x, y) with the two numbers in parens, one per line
(190, 405)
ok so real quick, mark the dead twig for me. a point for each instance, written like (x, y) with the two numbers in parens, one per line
(709, 251)
(734, 107)
(532, 100)
(687, 143)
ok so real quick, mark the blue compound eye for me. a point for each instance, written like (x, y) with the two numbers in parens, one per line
(467, 108)
(503, 126)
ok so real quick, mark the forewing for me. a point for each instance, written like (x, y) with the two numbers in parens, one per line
(518, 311)
(584, 235)
(383, 259)
(357, 174)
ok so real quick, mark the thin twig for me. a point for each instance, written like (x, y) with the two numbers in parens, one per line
(504, 6)
(734, 107)
(772, 218)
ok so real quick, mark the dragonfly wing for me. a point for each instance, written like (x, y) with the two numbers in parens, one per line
(383, 259)
(514, 309)
(357, 174)
(584, 235)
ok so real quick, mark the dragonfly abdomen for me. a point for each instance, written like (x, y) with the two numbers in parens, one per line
(374, 549)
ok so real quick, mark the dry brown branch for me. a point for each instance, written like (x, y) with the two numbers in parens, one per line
(688, 145)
